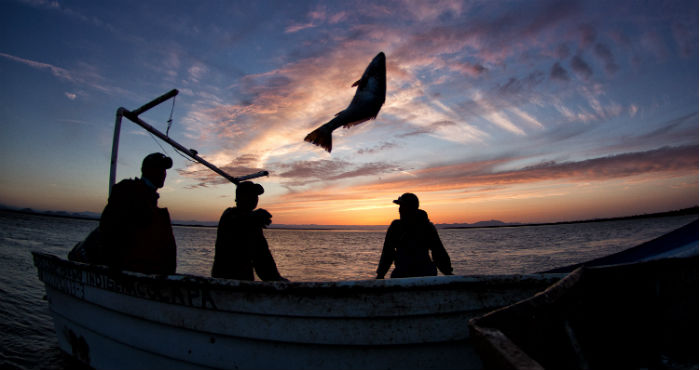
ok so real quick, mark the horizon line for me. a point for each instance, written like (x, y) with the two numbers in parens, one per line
(692, 210)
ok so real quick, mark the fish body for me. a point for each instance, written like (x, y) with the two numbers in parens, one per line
(365, 105)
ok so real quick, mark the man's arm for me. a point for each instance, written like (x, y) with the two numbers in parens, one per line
(265, 265)
(388, 251)
(439, 253)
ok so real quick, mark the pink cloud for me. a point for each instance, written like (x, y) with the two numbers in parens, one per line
(298, 27)
(682, 160)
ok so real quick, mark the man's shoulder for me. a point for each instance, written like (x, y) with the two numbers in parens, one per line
(231, 213)
(234, 218)
(129, 184)
(126, 182)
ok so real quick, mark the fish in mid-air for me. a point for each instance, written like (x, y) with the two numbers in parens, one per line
(365, 105)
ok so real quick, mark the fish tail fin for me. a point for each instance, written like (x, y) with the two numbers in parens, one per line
(321, 137)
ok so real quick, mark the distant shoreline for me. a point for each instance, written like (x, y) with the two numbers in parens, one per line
(681, 212)
(479, 225)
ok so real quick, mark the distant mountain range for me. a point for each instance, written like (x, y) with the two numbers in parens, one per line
(83, 215)
(492, 223)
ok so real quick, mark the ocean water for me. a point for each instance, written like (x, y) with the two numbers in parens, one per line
(28, 340)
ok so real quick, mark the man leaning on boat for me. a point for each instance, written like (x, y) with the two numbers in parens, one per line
(408, 241)
(240, 243)
(134, 233)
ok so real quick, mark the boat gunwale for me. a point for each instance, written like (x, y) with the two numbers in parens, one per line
(314, 287)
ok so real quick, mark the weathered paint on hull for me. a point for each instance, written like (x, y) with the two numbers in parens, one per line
(118, 320)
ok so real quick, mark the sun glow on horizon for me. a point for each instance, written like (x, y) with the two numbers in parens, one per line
(517, 111)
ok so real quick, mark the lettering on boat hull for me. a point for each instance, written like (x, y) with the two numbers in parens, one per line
(75, 282)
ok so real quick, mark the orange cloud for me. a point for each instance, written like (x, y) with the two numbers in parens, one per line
(451, 184)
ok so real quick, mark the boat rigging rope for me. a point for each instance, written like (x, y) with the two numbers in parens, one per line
(167, 133)
(170, 119)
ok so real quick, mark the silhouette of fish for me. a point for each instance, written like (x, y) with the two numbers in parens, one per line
(365, 105)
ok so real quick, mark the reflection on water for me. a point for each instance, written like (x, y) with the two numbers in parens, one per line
(323, 255)
(29, 342)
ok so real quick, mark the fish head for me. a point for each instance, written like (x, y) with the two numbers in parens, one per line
(377, 67)
(373, 81)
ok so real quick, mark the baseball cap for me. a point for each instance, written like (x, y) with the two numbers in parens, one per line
(249, 188)
(157, 160)
(407, 199)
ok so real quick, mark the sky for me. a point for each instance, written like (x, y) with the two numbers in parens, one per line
(520, 111)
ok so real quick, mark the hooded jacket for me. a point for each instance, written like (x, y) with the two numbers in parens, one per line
(406, 246)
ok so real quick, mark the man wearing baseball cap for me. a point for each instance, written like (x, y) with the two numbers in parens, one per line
(408, 241)
(135, 233)
(241, 246)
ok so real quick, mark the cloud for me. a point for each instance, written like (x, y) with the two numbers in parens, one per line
(298, 27)
(492, 34)
(604, 53)
(686, 36)
(377, 148)
(581, 67)
(679, 130)
(301, 173)
(655, 44)
(204, 177)
(587, 34)
(197, 71)
(317, 17)
(59, 72)
(633, 109)
(277, 108)
(273, 110)
(470, 69)
(292, 174)
(516, 87)
(430, 11)
(501, 120)
(562, 51)
(71, 13)
(559, 73)
(85, 75)
(681, 160)
(70, 95)
(270, 112)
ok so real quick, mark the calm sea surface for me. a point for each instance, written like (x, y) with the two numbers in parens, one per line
(28, 340)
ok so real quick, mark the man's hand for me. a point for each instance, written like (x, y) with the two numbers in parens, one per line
(263, 217)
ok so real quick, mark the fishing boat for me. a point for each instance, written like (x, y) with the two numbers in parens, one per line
(112, 319)
(641, 315)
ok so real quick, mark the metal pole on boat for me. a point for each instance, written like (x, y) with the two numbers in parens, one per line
(190, 152)
(115, 150)
(118, 127)
(133, 116)
(170, 94)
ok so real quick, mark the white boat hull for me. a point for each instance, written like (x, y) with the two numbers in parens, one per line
(123, 320)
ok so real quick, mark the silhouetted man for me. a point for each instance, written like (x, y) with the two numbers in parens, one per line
(240, 243)
(408, 241)
(135, 233)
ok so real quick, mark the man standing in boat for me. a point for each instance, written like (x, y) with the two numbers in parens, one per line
(240, 243)
(136, 234)
(408, 241)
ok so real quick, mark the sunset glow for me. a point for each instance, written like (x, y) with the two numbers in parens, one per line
(517, 111)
